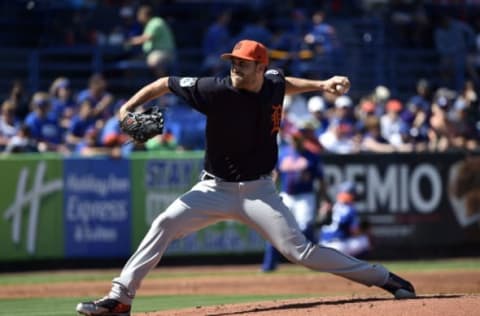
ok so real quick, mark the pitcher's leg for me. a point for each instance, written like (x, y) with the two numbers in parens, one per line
(272, 219)
(189, 213)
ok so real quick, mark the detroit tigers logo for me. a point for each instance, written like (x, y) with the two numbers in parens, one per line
(276, 118)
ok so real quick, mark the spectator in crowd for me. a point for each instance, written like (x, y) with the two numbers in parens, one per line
(344, 109)
(98, 95)
(130, 26)
(296, 110)
(417, 113)
(340, 136)
(18, 96)
(391, 122)
(464, 118)
(300, 175)
(112, 136)
(423, 95)
(441, 132)
(127, 28)
(163, 142)
(89, 146)
(364, 111)
(9, 124)
(157, 40)
(216, 40)
(80, 123)
(416, 118)
(43, 126)
(381, 94)
(22, 142)
(344, 230)
(63, 103)
(317, 107)
(372, 140)
(322, 36)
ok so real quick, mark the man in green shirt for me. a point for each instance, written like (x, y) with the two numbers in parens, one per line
(157, 40)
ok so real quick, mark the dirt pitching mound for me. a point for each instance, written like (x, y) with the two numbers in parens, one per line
(427, 305)
(442, 292)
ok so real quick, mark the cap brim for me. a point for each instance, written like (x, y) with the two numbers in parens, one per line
(229, 56)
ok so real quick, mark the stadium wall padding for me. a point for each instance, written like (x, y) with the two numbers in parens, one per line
(54, 207)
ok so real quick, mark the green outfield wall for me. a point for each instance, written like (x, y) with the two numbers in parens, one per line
(53, 207)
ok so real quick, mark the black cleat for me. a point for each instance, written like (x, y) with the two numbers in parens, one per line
(399, 287)
(104, 307)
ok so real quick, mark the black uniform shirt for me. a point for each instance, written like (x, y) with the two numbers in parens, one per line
(242, 126)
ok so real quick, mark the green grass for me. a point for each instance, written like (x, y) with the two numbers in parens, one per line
(435, 265)
(66, 276)
(405, 266)
(66, 306)
(54, 277)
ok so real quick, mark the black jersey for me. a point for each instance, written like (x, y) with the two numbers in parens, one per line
(242, 126)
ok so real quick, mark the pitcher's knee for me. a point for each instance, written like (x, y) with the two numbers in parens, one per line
(161, 222)
(297, 252)
(164, 224)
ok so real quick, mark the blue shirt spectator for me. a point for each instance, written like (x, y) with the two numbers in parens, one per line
(345, 232)
(80, 123)
(298, 180)
(61, 98)
(344, 218)
(98, 95)
(42, 124)
(322, 36)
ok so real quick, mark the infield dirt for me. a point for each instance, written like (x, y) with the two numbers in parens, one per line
(439, 292)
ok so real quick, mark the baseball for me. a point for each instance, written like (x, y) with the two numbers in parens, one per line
(340, 88)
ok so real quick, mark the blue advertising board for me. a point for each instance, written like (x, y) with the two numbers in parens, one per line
(97, 204)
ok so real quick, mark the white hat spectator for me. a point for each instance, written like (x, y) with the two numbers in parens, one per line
(382, 93)
(316, 104)
(343, 102)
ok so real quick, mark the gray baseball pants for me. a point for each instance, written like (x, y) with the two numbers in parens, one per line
(254, 203)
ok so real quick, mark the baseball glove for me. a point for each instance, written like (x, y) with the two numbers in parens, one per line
(143, 126)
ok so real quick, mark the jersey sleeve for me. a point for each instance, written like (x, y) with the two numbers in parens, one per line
(276, 76)
(192, 90)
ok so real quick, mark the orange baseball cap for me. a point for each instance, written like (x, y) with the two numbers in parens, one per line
(394, 105)
(249, 50)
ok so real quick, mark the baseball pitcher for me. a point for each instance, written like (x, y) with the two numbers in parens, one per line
(243, 113)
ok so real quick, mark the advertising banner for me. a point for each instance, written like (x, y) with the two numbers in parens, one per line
(31, 219)
(97, 208)
(420, 199)
(53, 208)
(157, 183)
